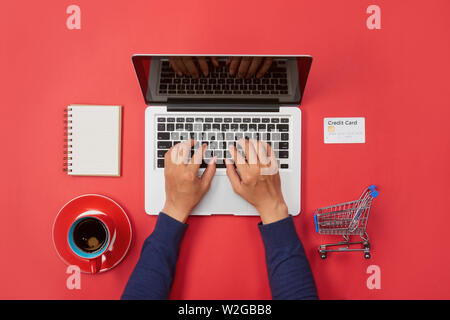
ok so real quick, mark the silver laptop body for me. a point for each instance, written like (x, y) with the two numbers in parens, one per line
(219, 109)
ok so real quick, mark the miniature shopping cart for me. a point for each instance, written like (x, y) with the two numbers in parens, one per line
(346, 219)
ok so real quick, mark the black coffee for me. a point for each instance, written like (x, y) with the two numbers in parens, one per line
(89, 235)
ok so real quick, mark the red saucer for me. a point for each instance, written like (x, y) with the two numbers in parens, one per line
(75, 207)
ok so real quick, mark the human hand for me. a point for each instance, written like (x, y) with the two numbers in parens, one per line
(184, 189)
(187, 65)
(247, 67)
(258, 180)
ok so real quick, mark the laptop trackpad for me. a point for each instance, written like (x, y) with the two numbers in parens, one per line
(221, 199)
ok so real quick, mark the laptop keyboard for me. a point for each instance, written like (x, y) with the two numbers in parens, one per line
(220, 82)
(219, 132)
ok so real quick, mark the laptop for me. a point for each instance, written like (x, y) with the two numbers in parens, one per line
(219, 109)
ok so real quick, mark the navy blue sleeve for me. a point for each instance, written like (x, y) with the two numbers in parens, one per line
(290, 276)
(153, 275)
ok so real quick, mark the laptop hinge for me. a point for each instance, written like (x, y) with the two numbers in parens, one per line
(176, 105)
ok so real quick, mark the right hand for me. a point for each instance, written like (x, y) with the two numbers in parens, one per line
(258, 180)
(187, 66)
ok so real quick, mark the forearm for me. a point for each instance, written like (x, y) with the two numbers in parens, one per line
(153, 275)
(290, 276)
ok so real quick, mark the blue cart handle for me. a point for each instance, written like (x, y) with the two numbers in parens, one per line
(374, 192)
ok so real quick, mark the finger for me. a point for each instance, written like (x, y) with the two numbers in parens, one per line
(272, 168)
(238, 159)
(173, 64)
(196, 160)
(261, 151)
(214, 62)
(234, 64)
(203, 65)
(228, 61)
(184, 151)
(270, 152)
(208, 174)
(190, 66)
(171, 157)
(256, 62)
(180, 65)
(243, 66)
(250, 152)
(233, 175)
(265, 67)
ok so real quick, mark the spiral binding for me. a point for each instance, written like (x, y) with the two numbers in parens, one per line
(67, 164)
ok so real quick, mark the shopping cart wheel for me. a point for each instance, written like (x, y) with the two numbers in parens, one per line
(323, 256)
(367, 255)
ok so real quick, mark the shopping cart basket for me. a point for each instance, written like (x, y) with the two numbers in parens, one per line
(346, 219)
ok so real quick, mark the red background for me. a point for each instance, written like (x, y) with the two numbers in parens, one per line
(396, 77)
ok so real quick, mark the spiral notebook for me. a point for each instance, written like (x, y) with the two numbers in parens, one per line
(93, 137)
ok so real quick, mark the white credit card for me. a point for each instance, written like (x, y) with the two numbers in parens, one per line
(344, 130)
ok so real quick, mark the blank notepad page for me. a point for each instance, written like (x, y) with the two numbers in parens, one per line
(96, 140)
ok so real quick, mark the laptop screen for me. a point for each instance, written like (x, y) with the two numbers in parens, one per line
(277, 79)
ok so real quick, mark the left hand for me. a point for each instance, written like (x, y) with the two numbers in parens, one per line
(184, 189)
(186, 65)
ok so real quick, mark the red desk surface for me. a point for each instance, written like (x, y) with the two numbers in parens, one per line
(396, 77)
